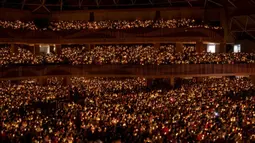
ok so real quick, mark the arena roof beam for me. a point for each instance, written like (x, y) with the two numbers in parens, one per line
(37, 8)
(253, 1)
(233, 34)
(133, 2)
(23, 4)
(61, 5)
(41, 5)
(189, 3)
(170, 2)
(232, 3)
(116, 2)
(243, 27)
(251, 18)
(151, 2)
(98, 2)
(45, 6)
(205, 3)
(80, 3)
(250, 35)
(215, 3)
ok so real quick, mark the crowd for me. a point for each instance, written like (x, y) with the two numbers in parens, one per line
(208, 110)
(119, 54)
(108, 24)
(102, 85)
(18, 25)
(123, 54)
(26, 57)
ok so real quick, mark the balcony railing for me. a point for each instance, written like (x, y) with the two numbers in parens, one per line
(146, 35)
(161, 71)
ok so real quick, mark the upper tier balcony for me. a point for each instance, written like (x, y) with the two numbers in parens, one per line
(112, 36)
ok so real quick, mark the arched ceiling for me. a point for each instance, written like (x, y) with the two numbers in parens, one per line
(42, 6)
(243, 26)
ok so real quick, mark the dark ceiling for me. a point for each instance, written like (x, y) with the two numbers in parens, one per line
(59, 5)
